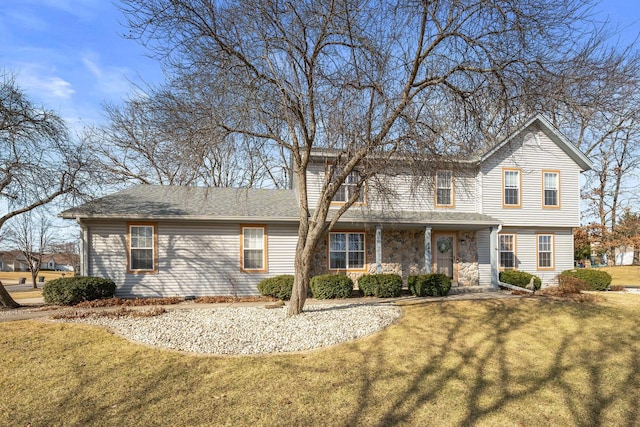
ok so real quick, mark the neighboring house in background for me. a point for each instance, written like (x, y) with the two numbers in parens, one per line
(13, 261)
(514, 207)
(59, 262)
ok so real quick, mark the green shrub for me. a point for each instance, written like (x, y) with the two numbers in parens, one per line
(72, 290)
(328, 286)
(434, 285)
(519, 278)
(597, 280)
(278, 287)
(381, 285)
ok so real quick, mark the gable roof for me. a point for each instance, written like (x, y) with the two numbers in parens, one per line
(173, 202)
(556, 136)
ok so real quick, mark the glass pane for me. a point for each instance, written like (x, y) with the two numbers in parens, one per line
(340, 195)
(551, 197)
(337, 242)
(356, 259)
(507, 260)
(141, 259)
(511, 179)
(506, 243)
(544, 259)
(253, 259)
(551, 181)
(444, 179)
(443, 196)
(356, 242)
(337, 260)
(544, 243)
(510, 196)
(253, 238)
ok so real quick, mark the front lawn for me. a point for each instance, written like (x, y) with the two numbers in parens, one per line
(624, 275)
(527, 361)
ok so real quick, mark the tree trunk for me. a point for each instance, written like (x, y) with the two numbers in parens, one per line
(5, 298)
(301, 279)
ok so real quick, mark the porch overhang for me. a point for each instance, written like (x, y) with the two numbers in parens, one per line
(412, 219)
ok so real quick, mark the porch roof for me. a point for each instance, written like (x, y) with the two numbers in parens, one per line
(438, 219)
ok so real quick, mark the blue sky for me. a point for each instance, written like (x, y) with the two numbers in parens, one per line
(70, 56)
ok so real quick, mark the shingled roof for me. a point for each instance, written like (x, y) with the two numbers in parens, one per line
(153, 202)
(180, 202)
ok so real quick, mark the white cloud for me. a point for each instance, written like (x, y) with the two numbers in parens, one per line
(109, 80)
(44, 86)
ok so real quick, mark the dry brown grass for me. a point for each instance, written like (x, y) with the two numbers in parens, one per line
(11, 277)
(523, 361)
(624, 275)
(26, 294)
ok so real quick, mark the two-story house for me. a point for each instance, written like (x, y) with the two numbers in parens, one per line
(512, 207)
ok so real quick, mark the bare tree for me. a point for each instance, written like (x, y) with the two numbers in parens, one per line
(32, 235)
(38, 163)
(368, 80)
(169, 137)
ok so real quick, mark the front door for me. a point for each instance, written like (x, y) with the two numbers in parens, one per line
(444, 250)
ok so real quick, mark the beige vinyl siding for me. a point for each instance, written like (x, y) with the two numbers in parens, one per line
(402, 192)
(532, 159)
(526, 251)
(194, 258)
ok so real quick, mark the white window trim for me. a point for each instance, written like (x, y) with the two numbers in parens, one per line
(514, 251)
(264, 268)
(349, 185)
(544, 189)
(346, 251)
(153, 248)
(551, 251)
(450, 188)
(504, 188)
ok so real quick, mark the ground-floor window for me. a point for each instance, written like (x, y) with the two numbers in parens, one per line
(142, 248)
(253, 253)
(346, 251)
(507, 245)
(545, 251)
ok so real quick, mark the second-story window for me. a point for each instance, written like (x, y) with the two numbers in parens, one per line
(511, 187)
(551, 191)
(348, 188)
(444, 188)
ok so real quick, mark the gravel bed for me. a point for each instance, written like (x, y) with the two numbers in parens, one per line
(252, 330)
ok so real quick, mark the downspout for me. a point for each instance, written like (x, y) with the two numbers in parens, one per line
(84, 250)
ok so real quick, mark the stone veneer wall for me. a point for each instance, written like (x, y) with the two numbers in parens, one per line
(468, 273)
(403, 254)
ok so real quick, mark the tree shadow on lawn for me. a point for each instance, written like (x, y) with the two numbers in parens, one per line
(492, 372)
(455, 363)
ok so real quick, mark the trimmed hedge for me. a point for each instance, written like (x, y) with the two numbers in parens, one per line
(597, 280)
(278, 287)
(434, 285)
(328, 286)
(381, 285)
(520, 278)
(73, 290)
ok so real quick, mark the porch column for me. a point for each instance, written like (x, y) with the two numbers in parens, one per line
(378, 249)
(493, 257)
(427, 250)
